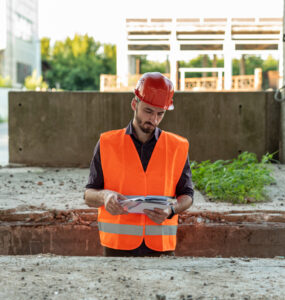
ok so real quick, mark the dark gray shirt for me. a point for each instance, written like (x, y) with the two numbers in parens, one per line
(96, 178)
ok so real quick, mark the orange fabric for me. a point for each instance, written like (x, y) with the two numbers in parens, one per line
(123, 173)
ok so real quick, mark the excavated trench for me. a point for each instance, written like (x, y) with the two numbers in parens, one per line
(259, 233)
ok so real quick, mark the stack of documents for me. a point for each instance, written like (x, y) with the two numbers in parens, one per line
(137, 204)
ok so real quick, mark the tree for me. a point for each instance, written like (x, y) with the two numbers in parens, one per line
(45, 48)
(76, 64)
(109, 58)
(151, 66)
(270, 64)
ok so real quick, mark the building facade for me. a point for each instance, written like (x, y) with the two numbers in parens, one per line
(181, 38)
(20, 51)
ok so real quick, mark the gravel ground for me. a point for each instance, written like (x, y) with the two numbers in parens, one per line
(44, 189)
(57, 277)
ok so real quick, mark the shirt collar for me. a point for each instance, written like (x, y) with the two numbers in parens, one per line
(130, 130)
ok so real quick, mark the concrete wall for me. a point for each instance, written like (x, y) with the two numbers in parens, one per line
(62, 128)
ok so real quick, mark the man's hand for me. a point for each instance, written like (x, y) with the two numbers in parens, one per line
(157, 215)
(112, 204)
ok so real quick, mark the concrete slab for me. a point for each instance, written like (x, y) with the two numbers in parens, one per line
(59, 277)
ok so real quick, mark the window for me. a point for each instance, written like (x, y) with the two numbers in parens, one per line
(23, 71)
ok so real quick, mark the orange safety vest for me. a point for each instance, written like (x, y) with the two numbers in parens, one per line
(124, 173)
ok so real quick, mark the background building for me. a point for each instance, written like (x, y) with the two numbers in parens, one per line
(20, 52)
(180, 39)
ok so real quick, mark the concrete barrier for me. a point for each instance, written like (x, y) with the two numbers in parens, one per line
(61, 128)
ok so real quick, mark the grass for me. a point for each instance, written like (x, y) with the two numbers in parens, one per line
(241, 180)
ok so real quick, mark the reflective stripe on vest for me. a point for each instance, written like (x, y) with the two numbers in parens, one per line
(137, 230)
(121, 228)
(160, 230)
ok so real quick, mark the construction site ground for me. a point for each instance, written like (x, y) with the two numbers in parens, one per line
(27, 190)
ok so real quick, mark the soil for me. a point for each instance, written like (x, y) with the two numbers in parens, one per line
(57, 277)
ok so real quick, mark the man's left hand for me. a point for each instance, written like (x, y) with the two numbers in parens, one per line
(157, 215)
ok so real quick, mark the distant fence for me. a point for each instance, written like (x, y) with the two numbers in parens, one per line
(62, 128)
(112, 83)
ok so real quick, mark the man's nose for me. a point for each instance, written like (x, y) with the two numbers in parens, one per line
(154, 118)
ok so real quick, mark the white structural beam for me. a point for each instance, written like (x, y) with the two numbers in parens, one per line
(201, 36)
(201, 70)
(228, 52)
(122, 58)
(148, 37)
(255, 36)
(174, 49)
(146, 52)
(211, 42)
(256, 42)
(148, 43)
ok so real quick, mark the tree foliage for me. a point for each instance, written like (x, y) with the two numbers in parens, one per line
(251, 62)
(152, 66)
(5, 81)
(76, 64)
(35, 82)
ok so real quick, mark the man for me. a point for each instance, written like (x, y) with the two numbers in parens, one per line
(141, 160)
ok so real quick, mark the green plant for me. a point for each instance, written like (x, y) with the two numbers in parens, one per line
(241, 180)
(5, 81)
(35, 82)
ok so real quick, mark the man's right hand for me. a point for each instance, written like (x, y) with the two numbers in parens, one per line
(112, 204)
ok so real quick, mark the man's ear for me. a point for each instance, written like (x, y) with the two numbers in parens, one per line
(134, 104)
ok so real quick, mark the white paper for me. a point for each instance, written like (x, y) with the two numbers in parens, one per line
(139, 203)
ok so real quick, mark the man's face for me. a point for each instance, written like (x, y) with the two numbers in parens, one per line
(147, 117)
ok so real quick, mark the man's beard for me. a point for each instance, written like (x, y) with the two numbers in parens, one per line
(143, 129)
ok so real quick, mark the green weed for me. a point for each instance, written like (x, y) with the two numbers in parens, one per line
(241, 180)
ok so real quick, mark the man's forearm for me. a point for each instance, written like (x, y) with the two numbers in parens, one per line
(183, 203)
(95, 198)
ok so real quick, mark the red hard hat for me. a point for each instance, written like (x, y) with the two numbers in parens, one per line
(155, 89)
